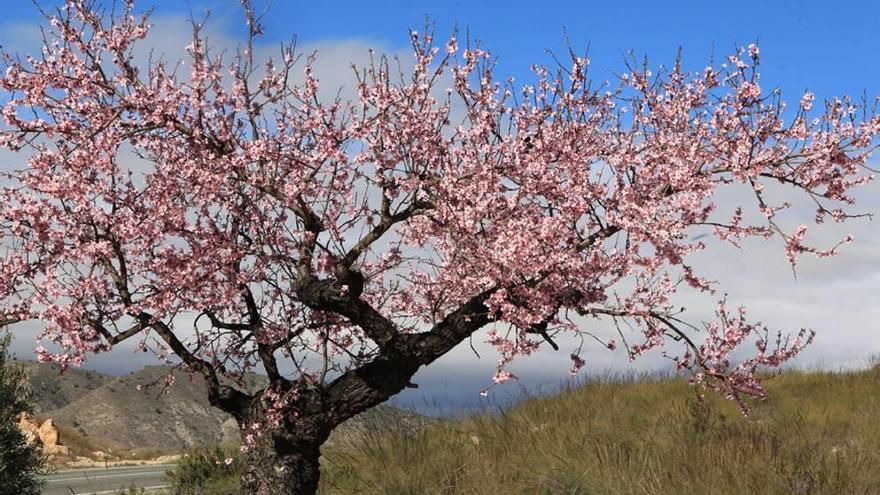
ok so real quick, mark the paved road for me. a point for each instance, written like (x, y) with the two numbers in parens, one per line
(104, 481)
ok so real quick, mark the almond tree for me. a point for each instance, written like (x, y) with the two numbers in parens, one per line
(341, 246)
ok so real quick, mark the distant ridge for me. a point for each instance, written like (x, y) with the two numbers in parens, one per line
(52, 391)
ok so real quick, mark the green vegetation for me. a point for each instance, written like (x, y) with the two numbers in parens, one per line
(204, 471)
(20, 463)
(818, 433)
(133, 490)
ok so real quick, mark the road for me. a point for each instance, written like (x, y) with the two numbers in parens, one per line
(104, 481)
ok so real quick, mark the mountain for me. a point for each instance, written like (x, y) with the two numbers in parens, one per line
(154, 417)
(53, 390)
(136, 411)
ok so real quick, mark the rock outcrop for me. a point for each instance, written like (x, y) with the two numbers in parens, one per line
(48, 433)
(45, 434)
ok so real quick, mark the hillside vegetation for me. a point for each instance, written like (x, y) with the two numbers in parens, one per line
(818, 433)
(52, 390)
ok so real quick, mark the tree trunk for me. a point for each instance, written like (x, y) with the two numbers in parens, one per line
(281, 466)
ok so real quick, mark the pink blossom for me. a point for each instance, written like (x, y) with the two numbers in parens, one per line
(754, 51)
(807, 101)
(577, 364)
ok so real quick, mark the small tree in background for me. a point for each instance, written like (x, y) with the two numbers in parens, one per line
(341, 246)
(21, 463)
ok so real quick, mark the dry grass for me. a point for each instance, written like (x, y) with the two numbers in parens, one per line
(818, 433)
(83, 445)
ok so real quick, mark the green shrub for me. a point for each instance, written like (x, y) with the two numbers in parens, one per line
(20, 464)
(206, 471)
(131, 490)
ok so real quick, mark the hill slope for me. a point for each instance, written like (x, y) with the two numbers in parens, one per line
(53, 390)
(104, 411)
(150, 418)
(817, 433)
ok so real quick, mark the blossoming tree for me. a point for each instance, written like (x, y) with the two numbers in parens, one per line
(341, 246)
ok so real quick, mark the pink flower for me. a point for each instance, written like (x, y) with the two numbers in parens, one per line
(807, 101)
(502, 376)
(577, 364)
(451, 46)
(754, 51)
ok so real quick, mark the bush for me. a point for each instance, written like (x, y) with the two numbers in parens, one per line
(21, 464)
(206, 471)
(131, 490)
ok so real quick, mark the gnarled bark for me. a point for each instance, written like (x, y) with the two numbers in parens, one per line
(282, 465)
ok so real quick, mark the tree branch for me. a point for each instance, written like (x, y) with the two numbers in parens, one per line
(327, 295)
(388, 220)
(266, 351)
(115, 339)
(229, 399)
(8, 321)
(223, 325)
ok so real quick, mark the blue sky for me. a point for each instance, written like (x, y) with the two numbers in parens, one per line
(829, 48)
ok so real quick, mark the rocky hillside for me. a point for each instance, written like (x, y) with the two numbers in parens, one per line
(134, 411)
(150, 417)
(52, 391)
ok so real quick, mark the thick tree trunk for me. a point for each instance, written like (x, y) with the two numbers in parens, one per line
(282, 466)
